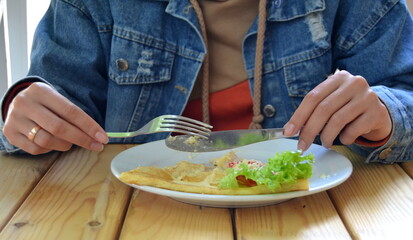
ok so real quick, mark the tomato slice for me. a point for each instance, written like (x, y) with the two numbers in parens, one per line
(247, 182)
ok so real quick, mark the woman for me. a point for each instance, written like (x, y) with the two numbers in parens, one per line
(118, 64)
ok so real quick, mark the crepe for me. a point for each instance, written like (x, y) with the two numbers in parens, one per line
(202, 178)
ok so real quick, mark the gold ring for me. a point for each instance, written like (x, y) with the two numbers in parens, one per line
(33, 132)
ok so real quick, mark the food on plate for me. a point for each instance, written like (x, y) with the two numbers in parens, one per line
(229, 175)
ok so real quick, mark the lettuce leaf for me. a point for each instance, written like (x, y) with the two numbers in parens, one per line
(283, 168)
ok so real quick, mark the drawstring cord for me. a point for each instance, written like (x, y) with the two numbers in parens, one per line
(205, 66)
(257, 116)
(259, 52)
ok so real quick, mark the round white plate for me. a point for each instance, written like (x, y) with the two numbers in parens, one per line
(329, 170)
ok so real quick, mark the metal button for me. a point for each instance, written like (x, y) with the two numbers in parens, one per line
(385, 153)
(122, 64)
(269, 110)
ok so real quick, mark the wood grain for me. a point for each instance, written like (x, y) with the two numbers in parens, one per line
(79, 198)
(19, 174)
(376, 202)
(75, 196)
(311, 217)
(152, 216)
(408, 168)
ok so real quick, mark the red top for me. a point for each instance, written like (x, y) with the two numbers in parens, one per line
(230, 108)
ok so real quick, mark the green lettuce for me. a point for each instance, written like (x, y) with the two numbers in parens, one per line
(283, 168)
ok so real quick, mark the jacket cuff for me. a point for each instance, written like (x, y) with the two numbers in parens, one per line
(397, 148)
(13, 91)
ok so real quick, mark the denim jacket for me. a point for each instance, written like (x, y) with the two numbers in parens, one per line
(126, 61)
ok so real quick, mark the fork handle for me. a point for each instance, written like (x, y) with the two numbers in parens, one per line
(120, 134)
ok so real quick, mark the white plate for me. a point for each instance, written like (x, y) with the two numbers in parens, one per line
(330, 169)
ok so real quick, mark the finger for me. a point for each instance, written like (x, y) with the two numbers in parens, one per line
(364, 115)
(20, 125)
(310, 102)
(16, 129)
(338, 122)
(45, 140)
(380, 122)
(358, 127)
(23, 142)
(51, 122)
(68, 111)
(331, 112)
(373, 124)
(63, 130)
(340, 108)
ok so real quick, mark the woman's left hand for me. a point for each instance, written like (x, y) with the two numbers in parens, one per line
(343, 105)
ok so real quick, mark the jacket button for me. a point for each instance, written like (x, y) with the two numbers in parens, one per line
(122, 64)
(269, 110)
(385, 153)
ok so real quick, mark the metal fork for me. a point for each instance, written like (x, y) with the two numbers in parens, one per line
(169, 123)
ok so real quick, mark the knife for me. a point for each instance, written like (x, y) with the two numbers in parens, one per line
(223, 140)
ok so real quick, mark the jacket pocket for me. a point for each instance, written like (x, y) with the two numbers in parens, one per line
(304, 75)
(304, 58)
(136, 61)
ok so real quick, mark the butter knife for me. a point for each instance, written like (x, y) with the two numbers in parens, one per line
(223, 140)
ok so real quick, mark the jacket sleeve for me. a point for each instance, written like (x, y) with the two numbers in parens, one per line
(377, 45)
(67, 53)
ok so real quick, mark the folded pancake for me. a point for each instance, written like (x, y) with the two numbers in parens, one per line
(223, 176)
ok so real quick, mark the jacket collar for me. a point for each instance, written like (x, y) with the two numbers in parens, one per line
(278, 10)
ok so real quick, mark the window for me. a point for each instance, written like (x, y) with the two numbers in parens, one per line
(22, 16)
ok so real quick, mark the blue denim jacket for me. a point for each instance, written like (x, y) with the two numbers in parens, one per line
(127, 61)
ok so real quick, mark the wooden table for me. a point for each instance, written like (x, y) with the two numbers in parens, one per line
(74, 195)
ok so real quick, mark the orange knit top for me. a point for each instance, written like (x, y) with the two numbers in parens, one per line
(230, 108)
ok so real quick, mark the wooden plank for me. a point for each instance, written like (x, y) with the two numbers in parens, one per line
(152, 216)
(19, 174)
(78, 198)
(310, 217)
(376, 201)
(408, 167)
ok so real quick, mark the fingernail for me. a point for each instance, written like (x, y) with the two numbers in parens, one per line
(325, 145)
(289, 129)
(302, 145)
(101, 137)
(96, 146)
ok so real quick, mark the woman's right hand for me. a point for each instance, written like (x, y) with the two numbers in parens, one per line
(61, 122)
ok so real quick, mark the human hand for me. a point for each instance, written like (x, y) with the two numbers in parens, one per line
(343, 105)
(61, 123)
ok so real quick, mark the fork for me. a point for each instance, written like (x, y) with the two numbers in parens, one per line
(169, 123)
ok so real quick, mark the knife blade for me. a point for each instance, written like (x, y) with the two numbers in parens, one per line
(223, 140)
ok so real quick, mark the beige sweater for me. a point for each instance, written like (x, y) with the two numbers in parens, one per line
(226, 22)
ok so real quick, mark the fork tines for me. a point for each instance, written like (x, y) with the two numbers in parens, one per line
(185, 125)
